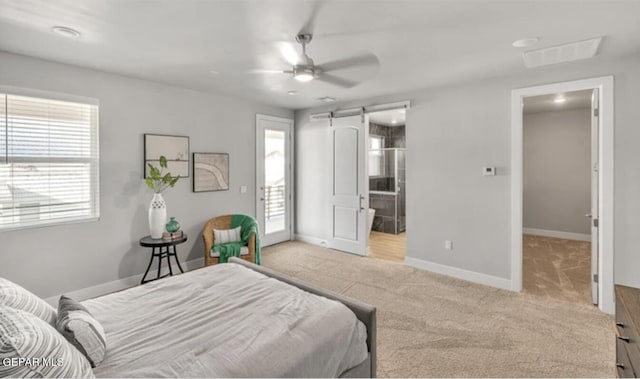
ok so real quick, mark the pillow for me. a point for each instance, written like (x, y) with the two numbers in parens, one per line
(29, 347)
(14, 296)
(226, 235)
(83, 331)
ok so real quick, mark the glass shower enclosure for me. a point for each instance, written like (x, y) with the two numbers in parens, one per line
(387, 177)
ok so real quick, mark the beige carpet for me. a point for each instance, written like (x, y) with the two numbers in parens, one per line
(431, 325)
(557, 268)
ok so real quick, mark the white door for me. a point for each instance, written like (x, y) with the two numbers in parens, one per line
(595, 112)
(350, 187)
(274, 179)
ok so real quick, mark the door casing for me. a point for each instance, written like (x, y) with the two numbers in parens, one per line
(593, 214)
(605, 86)
(286, 125)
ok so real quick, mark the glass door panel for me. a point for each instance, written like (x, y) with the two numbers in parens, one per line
(274, 180)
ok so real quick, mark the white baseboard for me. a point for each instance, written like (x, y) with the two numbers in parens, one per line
(557, 234)
(119, 284)
(459, 273)
(311, 240)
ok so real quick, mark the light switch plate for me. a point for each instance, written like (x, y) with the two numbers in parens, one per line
(243, 189)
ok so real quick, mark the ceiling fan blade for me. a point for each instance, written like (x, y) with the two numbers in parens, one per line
(289, 53)
(357, 61)
(336, 81)
(268, 71)
(310, 24)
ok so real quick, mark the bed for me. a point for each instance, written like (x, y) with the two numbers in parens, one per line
(234, 320)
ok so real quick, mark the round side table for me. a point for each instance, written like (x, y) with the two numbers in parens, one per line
(161, 248)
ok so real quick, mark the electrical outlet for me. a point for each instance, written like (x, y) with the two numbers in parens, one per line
(448, 244)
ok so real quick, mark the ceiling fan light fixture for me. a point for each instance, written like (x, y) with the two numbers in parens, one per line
(303, 74)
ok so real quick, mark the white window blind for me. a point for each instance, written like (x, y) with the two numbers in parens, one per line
(48, 160)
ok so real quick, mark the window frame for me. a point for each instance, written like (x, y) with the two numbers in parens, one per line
(378, 153)
(94, 161)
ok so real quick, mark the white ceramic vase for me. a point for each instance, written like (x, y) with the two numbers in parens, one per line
(157, 216)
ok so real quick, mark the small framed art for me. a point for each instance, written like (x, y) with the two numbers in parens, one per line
(174, 148)
(210, 172)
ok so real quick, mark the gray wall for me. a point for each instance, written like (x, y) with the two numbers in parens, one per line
(52, 260)
(451, 133)
(557, 174)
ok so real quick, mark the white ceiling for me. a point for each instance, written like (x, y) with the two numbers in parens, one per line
(418, 43)
(545, 103)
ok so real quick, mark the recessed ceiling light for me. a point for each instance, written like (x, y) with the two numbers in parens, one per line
(394, 121)
(66, 32)
(525, 42)
(214, 72)
(560, 100)
(327, 99)
(292, 93)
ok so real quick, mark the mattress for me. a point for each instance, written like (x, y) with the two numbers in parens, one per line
(226, 321)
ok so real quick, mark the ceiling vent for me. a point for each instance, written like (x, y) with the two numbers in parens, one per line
(570, 52)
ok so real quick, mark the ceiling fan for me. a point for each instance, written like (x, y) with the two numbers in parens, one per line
(305, 70)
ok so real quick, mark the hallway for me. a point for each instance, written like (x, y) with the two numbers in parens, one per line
(557, 268)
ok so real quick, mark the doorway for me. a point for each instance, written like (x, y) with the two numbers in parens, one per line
(560, 195)
(386, 150)
(602, 224)
(350, 216)
(274, 178)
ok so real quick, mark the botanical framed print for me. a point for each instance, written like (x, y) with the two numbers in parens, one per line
(174, 148)
(210, 172)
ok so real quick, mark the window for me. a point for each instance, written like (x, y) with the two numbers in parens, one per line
(48, 159)
(376, 144)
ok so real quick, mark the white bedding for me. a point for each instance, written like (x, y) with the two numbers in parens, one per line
(226, 321)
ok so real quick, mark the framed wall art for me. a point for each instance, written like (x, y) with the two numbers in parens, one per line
(210, 172)
(174, 148)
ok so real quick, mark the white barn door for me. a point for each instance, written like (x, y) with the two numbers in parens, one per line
(349, 190)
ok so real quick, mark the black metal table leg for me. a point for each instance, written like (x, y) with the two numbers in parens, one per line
(159, 262)
(175, 256)
(143, 281)
(169, 260)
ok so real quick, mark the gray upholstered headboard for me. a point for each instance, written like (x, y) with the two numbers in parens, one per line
(364, 312)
